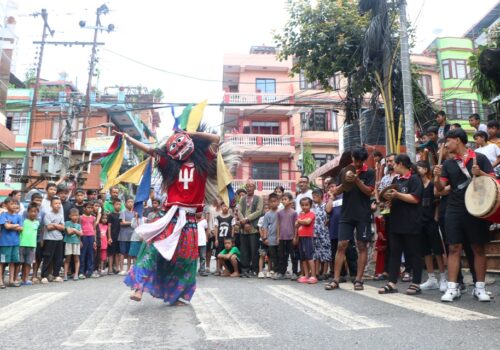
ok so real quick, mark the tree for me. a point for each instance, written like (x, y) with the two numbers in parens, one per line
(309, 164)
(157, 95)
(30, 77)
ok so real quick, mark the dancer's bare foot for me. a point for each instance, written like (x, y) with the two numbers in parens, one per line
(136, 295)
(234, 274)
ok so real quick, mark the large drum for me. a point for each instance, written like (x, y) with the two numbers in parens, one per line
(482, 198)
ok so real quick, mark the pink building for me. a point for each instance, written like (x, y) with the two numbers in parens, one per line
(267, 113)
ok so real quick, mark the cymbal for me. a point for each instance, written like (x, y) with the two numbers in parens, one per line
(390, 187)
(347, 186)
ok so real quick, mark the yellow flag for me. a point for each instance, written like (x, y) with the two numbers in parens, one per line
(224, 178)
(132, 175)
(195, 116)
(114, 169)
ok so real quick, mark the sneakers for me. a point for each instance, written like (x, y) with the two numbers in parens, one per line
(294, 277)
(430, 284)
(261, 275)
(279, 277)
(452, 293)
(479, 292)
(75, 278)
(443, 285)
(95, 275)
(27, 283)
(270, 274)
(122, 273)
(58, 279)
(44, 280)
(82, 276)
(303, 279)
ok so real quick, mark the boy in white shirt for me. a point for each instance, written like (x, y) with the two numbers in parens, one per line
(202, 242)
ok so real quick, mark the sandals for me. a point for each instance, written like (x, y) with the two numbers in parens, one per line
(358, 285)
(413, 289)
(2, 286)
(387, 289)
(381, 277)
(332, 285)
(406, 277)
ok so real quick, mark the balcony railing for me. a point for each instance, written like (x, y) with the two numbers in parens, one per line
(267, 185)
(257, 98)
(260, 140)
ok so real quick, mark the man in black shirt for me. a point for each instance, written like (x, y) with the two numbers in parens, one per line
(355, 216)
(460, 226)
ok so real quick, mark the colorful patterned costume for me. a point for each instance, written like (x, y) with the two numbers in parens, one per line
(166, 264)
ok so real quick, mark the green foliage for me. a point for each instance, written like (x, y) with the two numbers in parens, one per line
(309, 164)
(30, 77)
(157, 94)
(480, 82)
(324, 40)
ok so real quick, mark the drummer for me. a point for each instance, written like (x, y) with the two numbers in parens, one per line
(460, 225)
(355, 215)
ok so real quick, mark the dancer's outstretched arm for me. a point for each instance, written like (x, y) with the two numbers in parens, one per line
(137, 144)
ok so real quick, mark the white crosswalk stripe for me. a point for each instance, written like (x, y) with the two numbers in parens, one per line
(13, 314)
(221, 320)
(110, 323)
(332, 315)
(430, 308)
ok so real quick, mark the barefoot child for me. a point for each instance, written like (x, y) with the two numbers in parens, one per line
(72, 243)
(305, 234)
(229, 258)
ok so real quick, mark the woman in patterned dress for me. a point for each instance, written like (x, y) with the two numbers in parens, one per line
(166, 264)
(322, 250)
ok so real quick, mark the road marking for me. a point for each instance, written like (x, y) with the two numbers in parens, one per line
(110, 323)
(334, 316)
(221, 321)
(18, 311)
(430, 308)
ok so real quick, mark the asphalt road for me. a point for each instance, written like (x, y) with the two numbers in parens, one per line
(241, 314)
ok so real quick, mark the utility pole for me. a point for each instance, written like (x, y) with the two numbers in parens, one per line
(101, 10)
(66, 142)
(406, 80)
(27, 158)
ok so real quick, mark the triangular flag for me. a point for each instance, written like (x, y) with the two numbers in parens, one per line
(224, 179)
(143, 190)
(112, 163)
(132, 175)
(195, 116)
(183, 118)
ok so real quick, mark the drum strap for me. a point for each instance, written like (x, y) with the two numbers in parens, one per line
(464, 170)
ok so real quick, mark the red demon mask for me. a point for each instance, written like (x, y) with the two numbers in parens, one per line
(180, 146)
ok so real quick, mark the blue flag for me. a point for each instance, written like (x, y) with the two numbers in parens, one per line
(142, 194)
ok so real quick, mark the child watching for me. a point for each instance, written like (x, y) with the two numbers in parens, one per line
(53, 241)
(88, 222)
(125, 235)
(202, 242)
(72, 243)
(79, 201)
(155, 210)
(104, 234)
(27, 242)
(269, 234)
(321, 241)
(305, 234)
(36, 199)
(135, 239)
(286, 232)
(262, 245)
(11, 224)
(223, 227)
(229, 258)
(113, 244)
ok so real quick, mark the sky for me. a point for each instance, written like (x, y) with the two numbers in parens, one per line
(187, 37)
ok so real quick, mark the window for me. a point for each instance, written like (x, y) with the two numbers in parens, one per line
(425, 83)
(456, 69)
(265, 86)
(322, 159)
(8, 167)
(267, 128)
(319, 120)
(17, 122)
(460, 109)
(265, 171)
